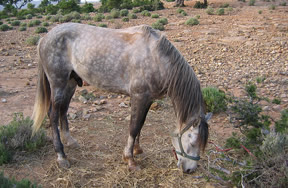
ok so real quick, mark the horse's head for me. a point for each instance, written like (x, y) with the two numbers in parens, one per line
(189, 141)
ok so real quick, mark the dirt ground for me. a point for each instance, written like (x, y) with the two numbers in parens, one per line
(225, 51)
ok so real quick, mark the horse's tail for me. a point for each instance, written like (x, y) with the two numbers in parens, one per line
(42, 99)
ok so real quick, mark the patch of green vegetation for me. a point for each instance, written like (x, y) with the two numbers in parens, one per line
(192, 21)
(87, 17)
(45, 24)
(115, 13)
(32, 40)
(146, 13)
(36, 22)
(125, 19)
(24, 183)
(41, 30)
(163, 21)
(272, 7)
(276, 101)
(29, 16)
(124, 12)
(220, 11)
(158, 25)
(180, 10)
(98, 17)
(136, 10)
(15, 23)
(210, 11)
(200, 5)
(225, 5)
(102, 25)
(260, 12)
(281, 126)
(22, 28)
(155, 16)
(17, 135)
(87, 8)
(132, 16)
(4, 27)
(215, 99)
(251, 2)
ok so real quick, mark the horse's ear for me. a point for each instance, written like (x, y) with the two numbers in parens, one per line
(208, 116)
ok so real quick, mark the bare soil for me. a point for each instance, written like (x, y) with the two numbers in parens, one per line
(225, 51)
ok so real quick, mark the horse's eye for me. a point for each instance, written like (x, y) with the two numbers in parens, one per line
(189, 135)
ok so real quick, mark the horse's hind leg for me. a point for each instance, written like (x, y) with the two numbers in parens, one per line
(68, 93)
(140, 105)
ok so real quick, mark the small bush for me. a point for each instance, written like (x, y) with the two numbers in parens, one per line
(4, 27)
(15, 23)
(102, 25)
(98, 18)
(146, 13)
(282, 4)
(215, 99)
(24, 183)
(124, 12)
(136, 10)
(272, 7)
(41, 30)
(1, 23)
(276, 101)
(125, 19)
(164, 21)
(115, 13)
(251, 2)
(17, 135)
(22, 28)
(56, 18)
(39, 16)
(210, 11)
(87, 8)
(30, 24)
(108, 17)
(86, 17)
(36, 22)
(281, 126)
(29, 16)
(192, 21)
(197, 16)
(180, 10)
(225, 5)
(260, 12)
(48, 17)
(76, 21)
(155, 15)
(32, 40)
(45, 24)
(220, 11)
(132, 16)
(184, 13)
(23, 24)
(198, 4)
(158, 25)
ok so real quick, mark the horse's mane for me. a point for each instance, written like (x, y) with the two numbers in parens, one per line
(184, 89)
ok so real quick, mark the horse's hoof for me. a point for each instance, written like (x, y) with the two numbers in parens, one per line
(134, 167)
(73, 144)
(137, 151)
(125, 159)
(63, 163)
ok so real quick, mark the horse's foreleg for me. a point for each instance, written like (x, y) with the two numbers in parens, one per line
(140, 105)
(68, 93)
(137, 149)
(58, 146)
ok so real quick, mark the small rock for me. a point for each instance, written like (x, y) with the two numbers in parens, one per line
(29, 65)
(86, 117)
(123, 105)
(266, 108)
(277, 108)
(103, 101)
(83, 92)
(4, 100)
(72, 115)
(128, 118)
(283, 96)
(82, 99)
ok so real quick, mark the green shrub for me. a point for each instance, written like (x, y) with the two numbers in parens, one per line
(260, 12)
(146, 13)
(86, 17)
(76, 21)
(158, 25)
(198, 4)
(197, 16)
(215, 99)
(276, 101)
(108, 17)
(272, 7)
(39, 16)
(4, 27)
(30, 24)
(136, 10)
(281, 126)
(220, 11)
(68, 6)
(180, 10)
(210, 11)
(56, 18)
(23, 24)
(65, 18)
(282, 4)
(48, 17)
(24, 183)
(21, 28)
(102, 25)
(1, 23)
(125, 19)
(98, 18)
(87, 8)
(132, 16)
(36, 22)
(225, 5)
(164, 21)
(41, 30)
(17, 135)
(124, 12)
(251, 2)
(15, 23)
(29, 16)
(45, 24)
(155, 15)
(192, 21)
(184, 13)
(115, 13)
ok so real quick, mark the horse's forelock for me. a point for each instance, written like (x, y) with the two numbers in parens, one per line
(203, 134)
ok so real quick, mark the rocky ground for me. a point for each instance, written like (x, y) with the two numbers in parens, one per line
(226, 51)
